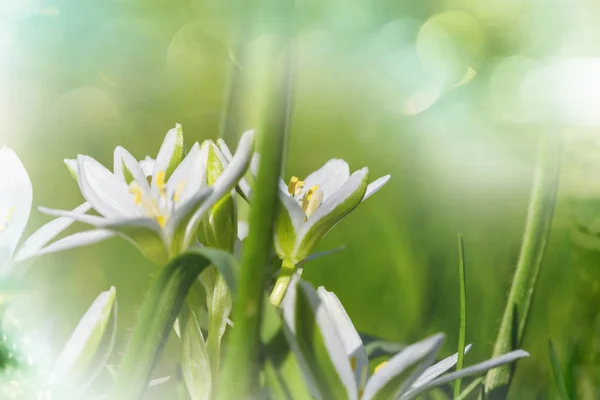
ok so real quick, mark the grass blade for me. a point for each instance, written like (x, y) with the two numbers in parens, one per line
(462, 334)
(533, 248)
(557, 372)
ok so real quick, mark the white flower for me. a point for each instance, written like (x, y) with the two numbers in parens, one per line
(160, 214)
(15, 207)
(404, 376)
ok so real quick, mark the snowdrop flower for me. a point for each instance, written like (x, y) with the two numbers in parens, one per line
(404, 376)
(15, 207)
(160, 214)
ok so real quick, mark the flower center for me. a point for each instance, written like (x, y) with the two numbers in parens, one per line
(158, 208)
(5, 219)
(312, 198)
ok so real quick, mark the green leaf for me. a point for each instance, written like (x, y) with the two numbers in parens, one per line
(160, 308)
(278, 387)
(195, 362)
(462, 334)
(557, 373)
(469, 389)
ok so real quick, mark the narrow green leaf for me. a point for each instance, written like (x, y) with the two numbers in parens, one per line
(276, 383)
(195, 361)
(462, 334)
(533, 248)
(161, 307)
(557, 373)
(469, 389)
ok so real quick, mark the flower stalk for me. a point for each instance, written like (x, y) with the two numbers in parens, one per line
(283, 281)
(533, 248)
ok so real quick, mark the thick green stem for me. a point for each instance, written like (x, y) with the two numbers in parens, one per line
(535, 240)
(285, 275)
(241, 371)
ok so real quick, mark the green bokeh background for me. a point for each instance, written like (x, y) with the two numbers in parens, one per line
(379, 84)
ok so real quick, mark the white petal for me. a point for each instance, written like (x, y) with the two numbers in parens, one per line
(438, 369)
(122, 156)
(147, 165)
(15, 199)
(375, 186)
(106, 193)
(85, 218)
(297, 215)
(47, 232)
(477, 369)
(421, 354)
(330, 177)
(146, 234)
(225, 183)
(172, 144)
(243, 187)
(336, 207)
(72, 167)
(224, 149)
(189, 176)
(77, 240)
(176, 225)
(333, 340)
(350, 337)
(79, 350)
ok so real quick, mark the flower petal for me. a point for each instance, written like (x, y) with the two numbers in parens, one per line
(330, 177)
(106, 193)
(225, 183)
(438, 369)
(126, 167)
(188, 178)
(85, 218)
(147, 165)
(176, 225)
(15, 199)
(375, 186)
(72, 167)
(340, 204)
(323, 368)
(80, 349)
(170, 154)
(77, 240)
(47, 232)
(243, 187)
(398, 374)
(350, 338)
(476, 369)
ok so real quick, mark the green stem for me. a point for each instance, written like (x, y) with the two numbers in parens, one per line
(240, 375)
(533, 247)
(287, 271)
(462, 333)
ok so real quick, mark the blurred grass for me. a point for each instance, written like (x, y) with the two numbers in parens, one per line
(372, 88)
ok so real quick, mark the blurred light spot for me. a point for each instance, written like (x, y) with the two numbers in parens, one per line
(192, 54)
(579, 91)
(18, 9)
(505, 88)
(422, 99)
(449, 43)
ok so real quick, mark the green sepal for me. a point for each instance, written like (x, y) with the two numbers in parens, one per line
(285, 235)
(177, 154)
(195, 363)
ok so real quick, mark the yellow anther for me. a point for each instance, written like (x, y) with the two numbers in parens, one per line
(312, 200)
(136, 190)
(295, 187)
(377, 368)
(161, 220)
(160, 182)
(178, 190)
(9, 214)
(353, 363)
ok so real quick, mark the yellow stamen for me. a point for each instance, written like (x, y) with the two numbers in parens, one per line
(353, 363)
(161, 220)
(295, 187)
(312, 200)
(136, 190)
(160, 182)
(377, 368)
(363, 380)
(178, 190)
(7, 217)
